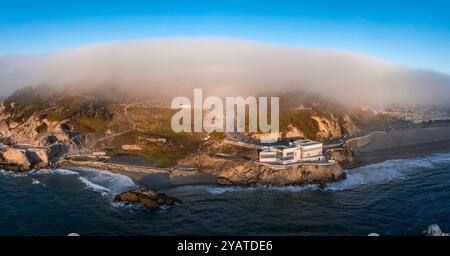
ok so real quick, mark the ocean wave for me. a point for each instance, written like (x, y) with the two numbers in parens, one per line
(99, 180)
(388, 171)
(39, 172)
(35, 182)
(13, 174)
(58, 171)
(129, 206)
(93, 186)
(221, 190)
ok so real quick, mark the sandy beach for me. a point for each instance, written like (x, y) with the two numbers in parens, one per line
(145, 175)
(159, 181)
(404, 144)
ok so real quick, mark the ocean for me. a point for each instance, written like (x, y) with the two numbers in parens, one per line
(395, 197)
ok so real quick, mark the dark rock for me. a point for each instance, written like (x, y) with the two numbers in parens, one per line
(65, 127)
(322, 185)
(51, 139)
(57, 151)
(223, 181)
(147, 198)
(69, 131)
(161, 198)
(149, 203)
(33, 157)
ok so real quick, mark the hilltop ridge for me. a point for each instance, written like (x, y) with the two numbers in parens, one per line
(94, 121)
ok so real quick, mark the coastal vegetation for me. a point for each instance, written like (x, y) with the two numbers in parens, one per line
(123, 125)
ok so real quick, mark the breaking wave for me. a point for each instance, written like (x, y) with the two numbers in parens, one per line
(93, 186)
(13, 174)
(379, 173)
(52, 171)
(388, 171)
(105, 181)
(221, 190)
(97, 180)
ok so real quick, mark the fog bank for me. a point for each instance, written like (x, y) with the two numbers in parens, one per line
(174, 67)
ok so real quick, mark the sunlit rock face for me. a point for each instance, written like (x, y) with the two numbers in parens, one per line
(255, 173)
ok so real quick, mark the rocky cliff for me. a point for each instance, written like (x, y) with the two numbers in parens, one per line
(256, 173)
(27, 158)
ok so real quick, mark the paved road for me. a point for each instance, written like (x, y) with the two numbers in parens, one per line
(243, 138)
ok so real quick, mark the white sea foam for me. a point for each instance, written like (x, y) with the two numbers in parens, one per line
(130, 206)
(58, 171)
(113, 182)
(388, 171)
(94, 186)
(104, 182)
(97, 180)
(221, 190)
(13, 174)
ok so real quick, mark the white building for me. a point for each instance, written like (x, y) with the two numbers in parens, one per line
(294, 152)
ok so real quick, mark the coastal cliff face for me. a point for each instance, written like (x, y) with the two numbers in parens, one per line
(256, 173)
(25, 159)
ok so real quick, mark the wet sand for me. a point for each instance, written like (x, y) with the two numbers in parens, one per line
(163, 180)
(404, 144)
(159, 181)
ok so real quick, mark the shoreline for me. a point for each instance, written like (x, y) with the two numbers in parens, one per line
(152, 178)
(402, 144)
(382, 146)
(374, 147)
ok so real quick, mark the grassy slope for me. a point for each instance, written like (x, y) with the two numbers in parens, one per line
(138, 125)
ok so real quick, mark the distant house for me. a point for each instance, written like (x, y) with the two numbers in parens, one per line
(292, 152)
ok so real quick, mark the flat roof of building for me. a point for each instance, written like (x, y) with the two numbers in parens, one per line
(309, 143)
(280, 145)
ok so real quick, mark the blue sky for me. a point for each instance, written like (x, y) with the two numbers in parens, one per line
(413, 33)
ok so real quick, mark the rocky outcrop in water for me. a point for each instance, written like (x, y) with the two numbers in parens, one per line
(255, 173)
(434, 230)
(147, 198)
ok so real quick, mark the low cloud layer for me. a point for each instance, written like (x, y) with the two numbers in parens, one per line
(174, 67)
